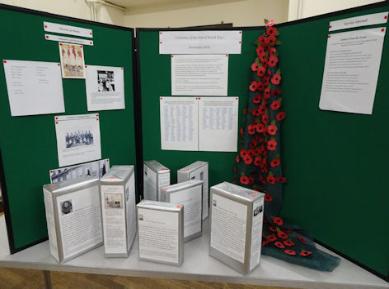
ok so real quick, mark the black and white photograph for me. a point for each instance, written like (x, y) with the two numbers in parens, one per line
(78, 138)
(113, 201)
(104, 87)
(66, 207)
(105, 80)
(95, 169)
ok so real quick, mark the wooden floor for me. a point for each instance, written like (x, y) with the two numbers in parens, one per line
(30, 279)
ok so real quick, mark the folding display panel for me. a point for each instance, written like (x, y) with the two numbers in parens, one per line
(28, 143)
(335, 163)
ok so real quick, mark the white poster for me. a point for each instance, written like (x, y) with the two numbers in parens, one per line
(179, 123)
(94, 169)
(351, 70)
(199, 74)
(67, 29)
(78, 138)
(34, 87)
(200, 42)
(104, 87)
(218, 124)
(72, 60)
(60, 38)
(358, 21)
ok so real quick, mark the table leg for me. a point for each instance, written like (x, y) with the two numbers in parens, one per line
(47, 279)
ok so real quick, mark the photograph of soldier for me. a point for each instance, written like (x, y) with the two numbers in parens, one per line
(79, 138)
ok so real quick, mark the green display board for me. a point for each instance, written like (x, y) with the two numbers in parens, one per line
(28, 143)
(336, 163)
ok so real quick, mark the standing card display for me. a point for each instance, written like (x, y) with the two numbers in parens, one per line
(161, 232)
(118, 210)
(155, 176)
(197, 171)
(189, 194)
(236, 226)
(73, 216)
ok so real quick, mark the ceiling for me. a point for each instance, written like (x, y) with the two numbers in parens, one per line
(146, 6)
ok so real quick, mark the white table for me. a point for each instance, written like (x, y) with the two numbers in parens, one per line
(198, 266)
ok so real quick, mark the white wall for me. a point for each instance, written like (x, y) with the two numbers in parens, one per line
(73, 8)
(306, 8)
(240, 13)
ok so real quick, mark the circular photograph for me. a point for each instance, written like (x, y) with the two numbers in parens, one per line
(66, 207)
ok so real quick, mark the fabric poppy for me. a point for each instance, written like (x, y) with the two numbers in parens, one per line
(263, 58)
(302, 239)
(281, 180)
(290, 252)
(251, 129)
(267, 93)
(257, 161)
(243, 153)
(254, 66)
(262, 109)
(279, 244)
(257, 99)
(272, 50)
(244, 180)
(260, 128)
(305, 253)
(280, 116)
(275, 105)
(255, 112)
(253, 86)
(276, 79)
(265, 119)
(271, 180)
(271, 31)
(261, 39)
(272, 229)
(261, 71)
(278, 221)
(282, 235)
(272, 129)
(271, 145)
(276, 92)
(271, 238)
(273, 60)
(248, 160)
(271, 40)
(275, 163)
(288, 243)
(268, 197)
(260, 86)
(260, 50)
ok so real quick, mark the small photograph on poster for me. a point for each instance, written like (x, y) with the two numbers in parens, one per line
(72, 60)
(113, 201)
(104, 87)
(95, 169)
(66, 207)
(78, 138)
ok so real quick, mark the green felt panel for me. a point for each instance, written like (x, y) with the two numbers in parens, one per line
(336, 163)
(28, 143)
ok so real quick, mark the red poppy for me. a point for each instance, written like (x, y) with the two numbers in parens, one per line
(271, 145)
(272, 229)
(248, 160)
(257, 161)
(268, 197)
(272, 51)
(272, 129)
(266, 93)
(262, 109)
(260, 50)
(260, 128)
(305, 253)
(276, 79)
(275, 105)
(289, 243)
(271, 31)
(282, 235)
(255, 112)
(266, 81)
(279, 245)
(275, 163)
(266, 41)
(251, 152)
(251, 129)
(302, 239)
(261, 71)
(260, 86)
(281, 180)
(276, 92)
(263, 58)
(271, 180)
(257, 99)
(280, 116)
(271, 238)
(261, 39)
(278, 221)
(273, 60)
(261, 179)
(271, 40)
(253, 86)
(243, 153)
(254, 66)
(265, 119)
(244, 180)
(290, 252)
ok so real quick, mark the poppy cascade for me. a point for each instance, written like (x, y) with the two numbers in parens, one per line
(259, 165)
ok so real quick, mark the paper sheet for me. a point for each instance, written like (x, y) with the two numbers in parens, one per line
(60, 38)
(218, 124)
(200, 42)
(95, 169)
(78, 138)
(358, 21)
(199, 74)
(34, 87)
(351, 70)
(72, 60)
(179, 123)
(104, 87)
(67, 29)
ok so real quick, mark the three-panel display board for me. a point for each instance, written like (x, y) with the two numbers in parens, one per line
(335, 162)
